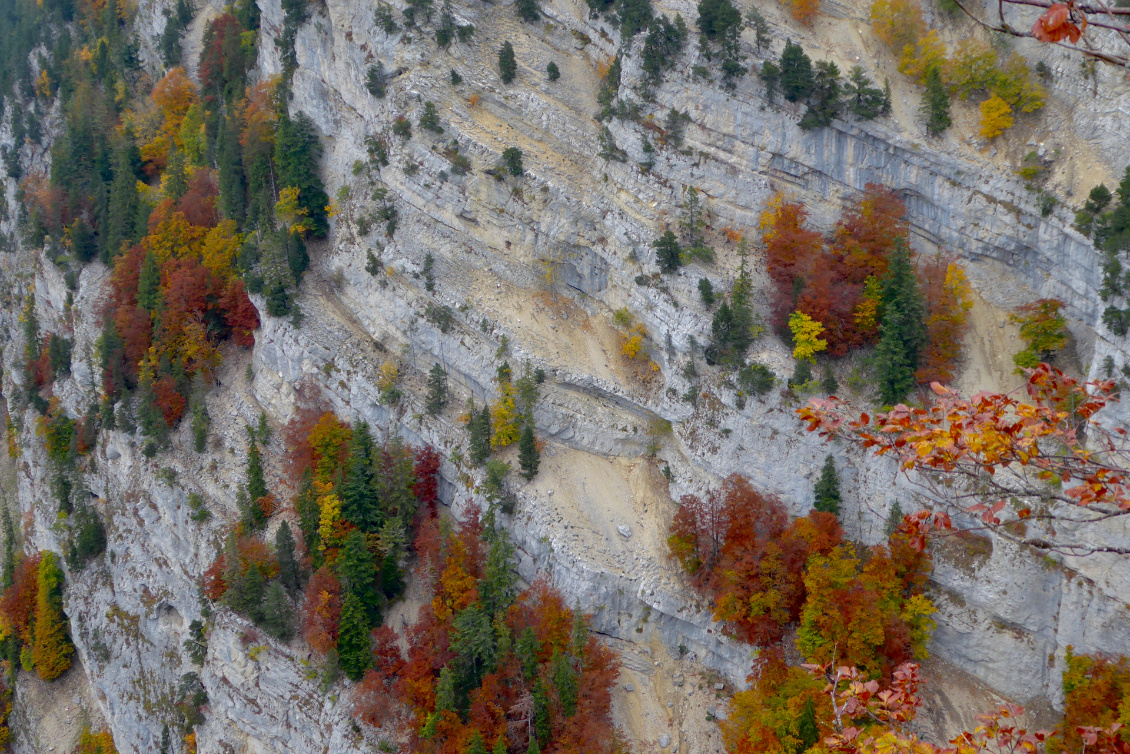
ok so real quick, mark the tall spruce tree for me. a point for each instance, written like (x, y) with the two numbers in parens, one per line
(360, 503)
(437, 390)
(824, 104)
(277, 612)
(529, 458)
(667, 252)
(353, 644)
(297, 153)
(935, 103)
(149, 284)
(480, 435)
(864, 99)
(507, 63)
(229, 160)
(121, 214)
(902, 332)
(827, 489)
(796, 77)
(289, 574)
(357, 573)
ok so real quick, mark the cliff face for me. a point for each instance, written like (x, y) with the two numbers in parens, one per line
(537, 265)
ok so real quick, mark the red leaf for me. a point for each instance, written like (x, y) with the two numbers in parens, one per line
(1055, 25)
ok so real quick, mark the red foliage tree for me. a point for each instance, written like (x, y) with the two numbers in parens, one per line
(18, 602)
(198, 205)
(867, 233)
(322, 611)
(743, 551)
(426, 471)
(214, 583)
(170, 402)
(240, 315)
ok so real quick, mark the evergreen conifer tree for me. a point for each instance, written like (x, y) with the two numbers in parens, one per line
(496, 589)
(480, 435)
(297, 153)
(122, 211)
(245, 593)
(935, 103)
(894, 518)
(437, 390)
(229, 160)
(668, 252)
(827, 490)
(357, 573)
(360, 504)
(528, 456)
(507, 63)
(828, 382)
(277, 612)
(527, 649)
(902, 332)
(528, 10)
(309, 515)
(289, 575)
(552, 72)
(824, 104)
(533, 747)
(499, 745)
(806, 729)
(445, 690)
(149, 284)
(797, 79)
(353, 644)
(864, 99)
(476, 745)
(565, 681)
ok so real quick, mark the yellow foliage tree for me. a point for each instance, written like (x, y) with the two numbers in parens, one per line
(918, 59)
(95, 743)
(996, 117)
(52, 649)
(290, 213)
(897, 22)
(220, 247)
(504, 418)
(43, 85)
(867, 311)
(329, 522)
(805, 331)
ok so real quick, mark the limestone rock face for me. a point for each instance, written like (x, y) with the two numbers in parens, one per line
(532, 269)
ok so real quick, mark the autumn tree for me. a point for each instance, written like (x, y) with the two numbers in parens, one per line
(947, 447)
(1043, 328)
(996, 117)
(52, 649)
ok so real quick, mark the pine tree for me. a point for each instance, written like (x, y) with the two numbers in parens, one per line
(827, 490)
(476, 744)
(437, 390)
(533, 748)
(480, 427)
(245, 593)
(552, 72)
(507, 63)
(528, 10)
(894, 518)
(360, 504)
(9, 548)
(289, 575)
(935, 103)
(256, 486)
(828, 382)
(806, 728)
(527, 650)
(149, 284)
(357, 573)
(565, 681)
(528, 456)
(473, 641)
(825, 100)
(122, 211)
(277, 612)
(797, 80)
(309, 516)
(863, 98)
(496, 589)
(297, 153)
(902, 333)
(229, 159)
(499, 745)
(52, 649)
(668, 252)
(353, 644)
(445, 690)
(757, 22)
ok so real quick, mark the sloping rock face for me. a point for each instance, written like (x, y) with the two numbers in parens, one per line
(532, 269)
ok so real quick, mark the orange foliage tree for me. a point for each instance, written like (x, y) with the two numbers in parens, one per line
(976, 455)
(52, 649)
(741, 549)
